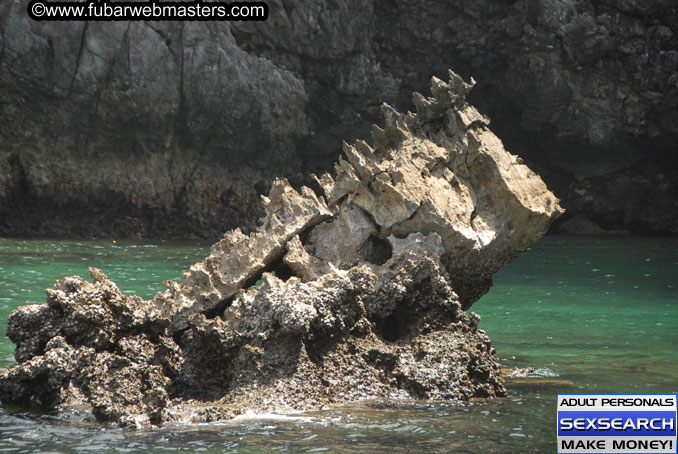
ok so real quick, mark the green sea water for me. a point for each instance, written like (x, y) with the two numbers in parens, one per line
(591, 315)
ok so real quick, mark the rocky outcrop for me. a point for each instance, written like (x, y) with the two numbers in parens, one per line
(174, 129)
(356, 293)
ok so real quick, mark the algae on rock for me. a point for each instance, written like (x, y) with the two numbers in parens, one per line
(363, 295)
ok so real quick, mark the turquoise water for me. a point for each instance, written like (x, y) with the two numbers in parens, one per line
(592, 315)
(28, 267)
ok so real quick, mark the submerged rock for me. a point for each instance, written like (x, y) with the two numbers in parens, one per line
(363, 289)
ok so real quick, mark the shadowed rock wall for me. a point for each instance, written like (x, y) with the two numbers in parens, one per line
(174, 129)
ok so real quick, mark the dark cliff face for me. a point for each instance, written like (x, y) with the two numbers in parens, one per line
(174, 129)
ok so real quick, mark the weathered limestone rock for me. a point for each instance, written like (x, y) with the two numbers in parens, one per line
(442, 170)
(362, 291)
(238, 258)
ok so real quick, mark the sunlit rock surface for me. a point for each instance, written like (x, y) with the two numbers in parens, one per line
(362, 289)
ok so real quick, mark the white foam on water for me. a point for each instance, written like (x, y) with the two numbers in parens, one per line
(251, 415)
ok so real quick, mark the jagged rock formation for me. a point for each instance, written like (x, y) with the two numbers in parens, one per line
(174, 129)
(363, 294)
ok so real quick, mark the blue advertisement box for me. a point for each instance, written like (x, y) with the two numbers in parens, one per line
(617, 423)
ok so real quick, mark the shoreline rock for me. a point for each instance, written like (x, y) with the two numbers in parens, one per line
(145, 130)
(364, 289)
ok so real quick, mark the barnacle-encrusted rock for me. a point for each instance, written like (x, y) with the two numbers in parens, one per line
(362, 293)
